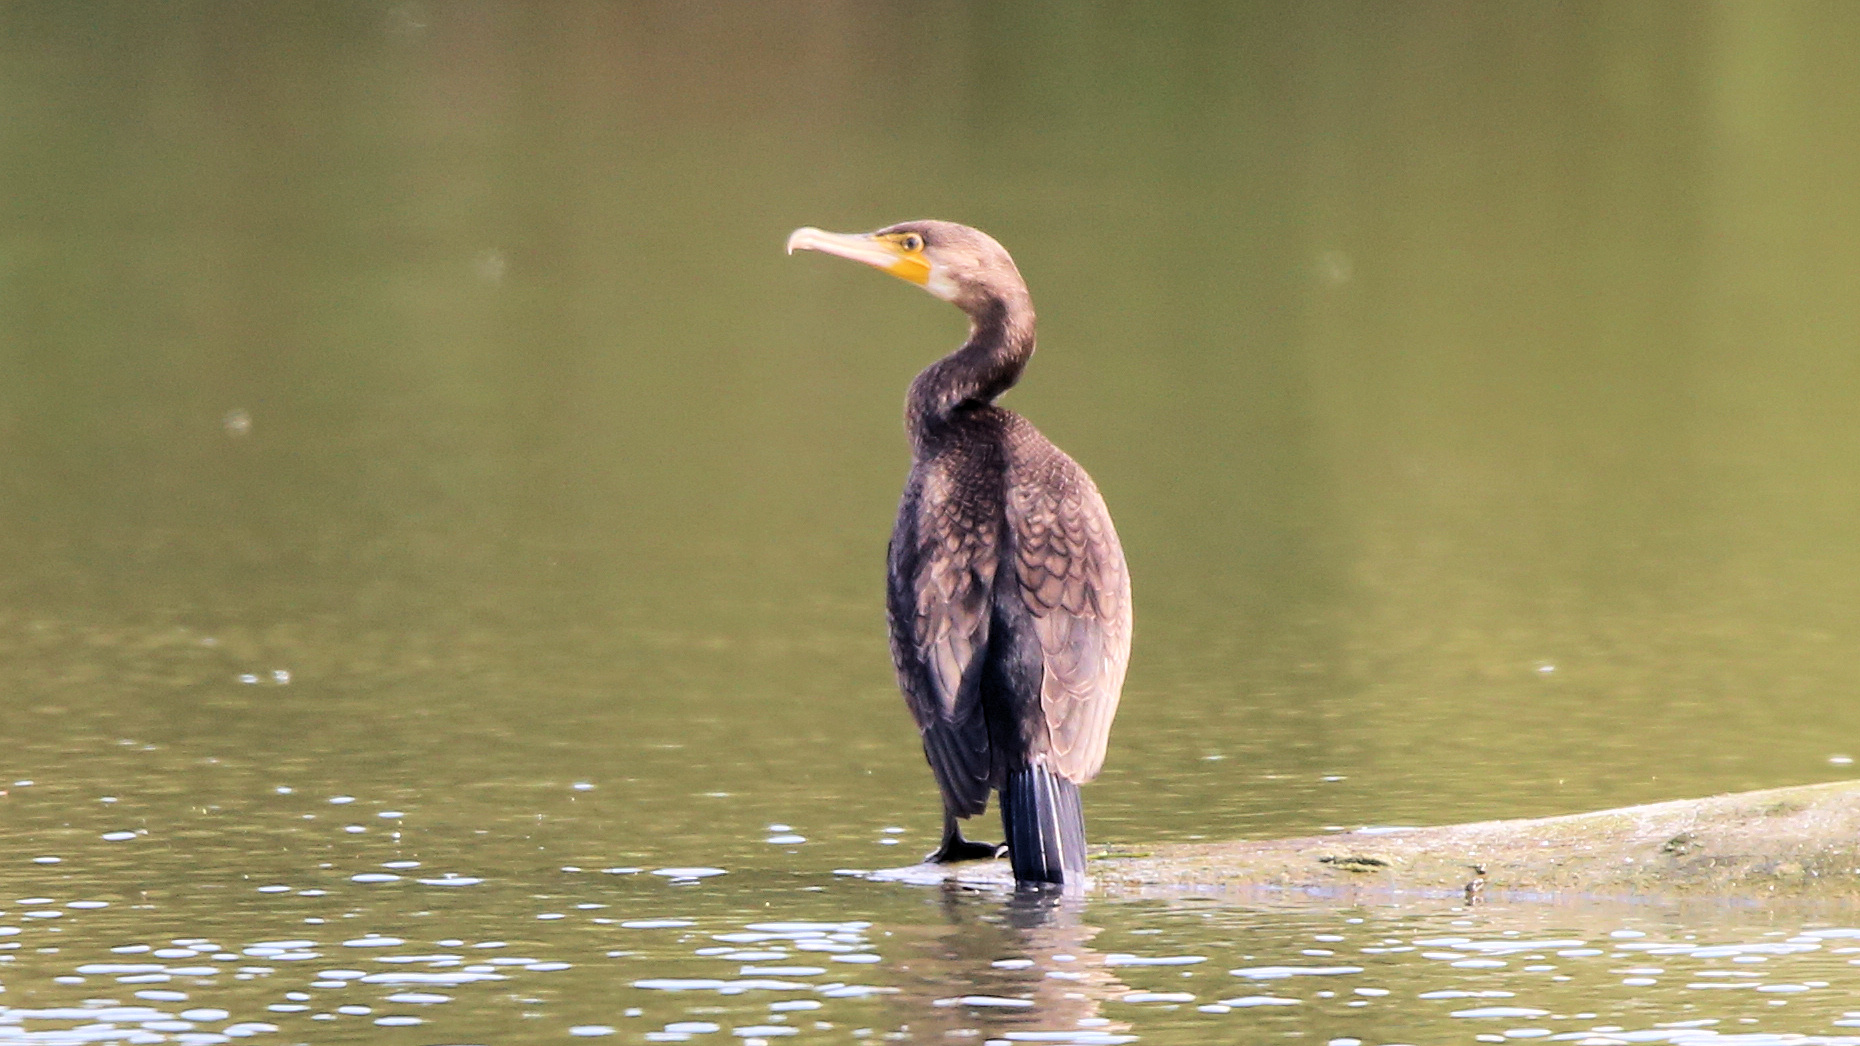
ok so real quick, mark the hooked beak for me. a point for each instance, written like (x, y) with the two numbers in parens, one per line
(875, 251)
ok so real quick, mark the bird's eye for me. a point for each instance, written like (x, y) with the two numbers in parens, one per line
(912, 242)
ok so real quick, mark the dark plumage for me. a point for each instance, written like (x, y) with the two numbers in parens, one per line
(1008, 596)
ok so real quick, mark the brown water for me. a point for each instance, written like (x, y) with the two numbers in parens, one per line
(415, 447)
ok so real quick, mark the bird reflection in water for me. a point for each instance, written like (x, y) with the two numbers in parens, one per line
(994, 966)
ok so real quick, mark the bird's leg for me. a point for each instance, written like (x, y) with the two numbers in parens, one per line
(956, 848)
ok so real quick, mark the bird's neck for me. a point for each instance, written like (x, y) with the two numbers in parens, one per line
(987, 365)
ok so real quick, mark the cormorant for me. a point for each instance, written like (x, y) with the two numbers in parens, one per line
(1007, 593)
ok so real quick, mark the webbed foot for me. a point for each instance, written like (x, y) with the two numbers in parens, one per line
(960, 849)
(956, 848)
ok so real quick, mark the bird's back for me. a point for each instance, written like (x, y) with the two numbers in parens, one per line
(1064, 553)
(1010, 607)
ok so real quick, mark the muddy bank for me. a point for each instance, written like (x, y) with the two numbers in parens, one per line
(1801, 841)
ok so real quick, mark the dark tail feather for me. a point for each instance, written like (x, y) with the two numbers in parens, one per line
(1045, 828)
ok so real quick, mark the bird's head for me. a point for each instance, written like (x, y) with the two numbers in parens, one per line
(954, 262)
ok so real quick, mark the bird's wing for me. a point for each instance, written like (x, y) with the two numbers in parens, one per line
(943, 556)
(1074, 582)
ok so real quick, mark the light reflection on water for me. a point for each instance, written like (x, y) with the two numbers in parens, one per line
(755, 954)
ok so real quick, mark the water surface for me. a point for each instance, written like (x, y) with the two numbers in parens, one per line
(411, 404)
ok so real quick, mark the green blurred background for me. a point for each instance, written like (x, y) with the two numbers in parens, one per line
(1474, 385)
